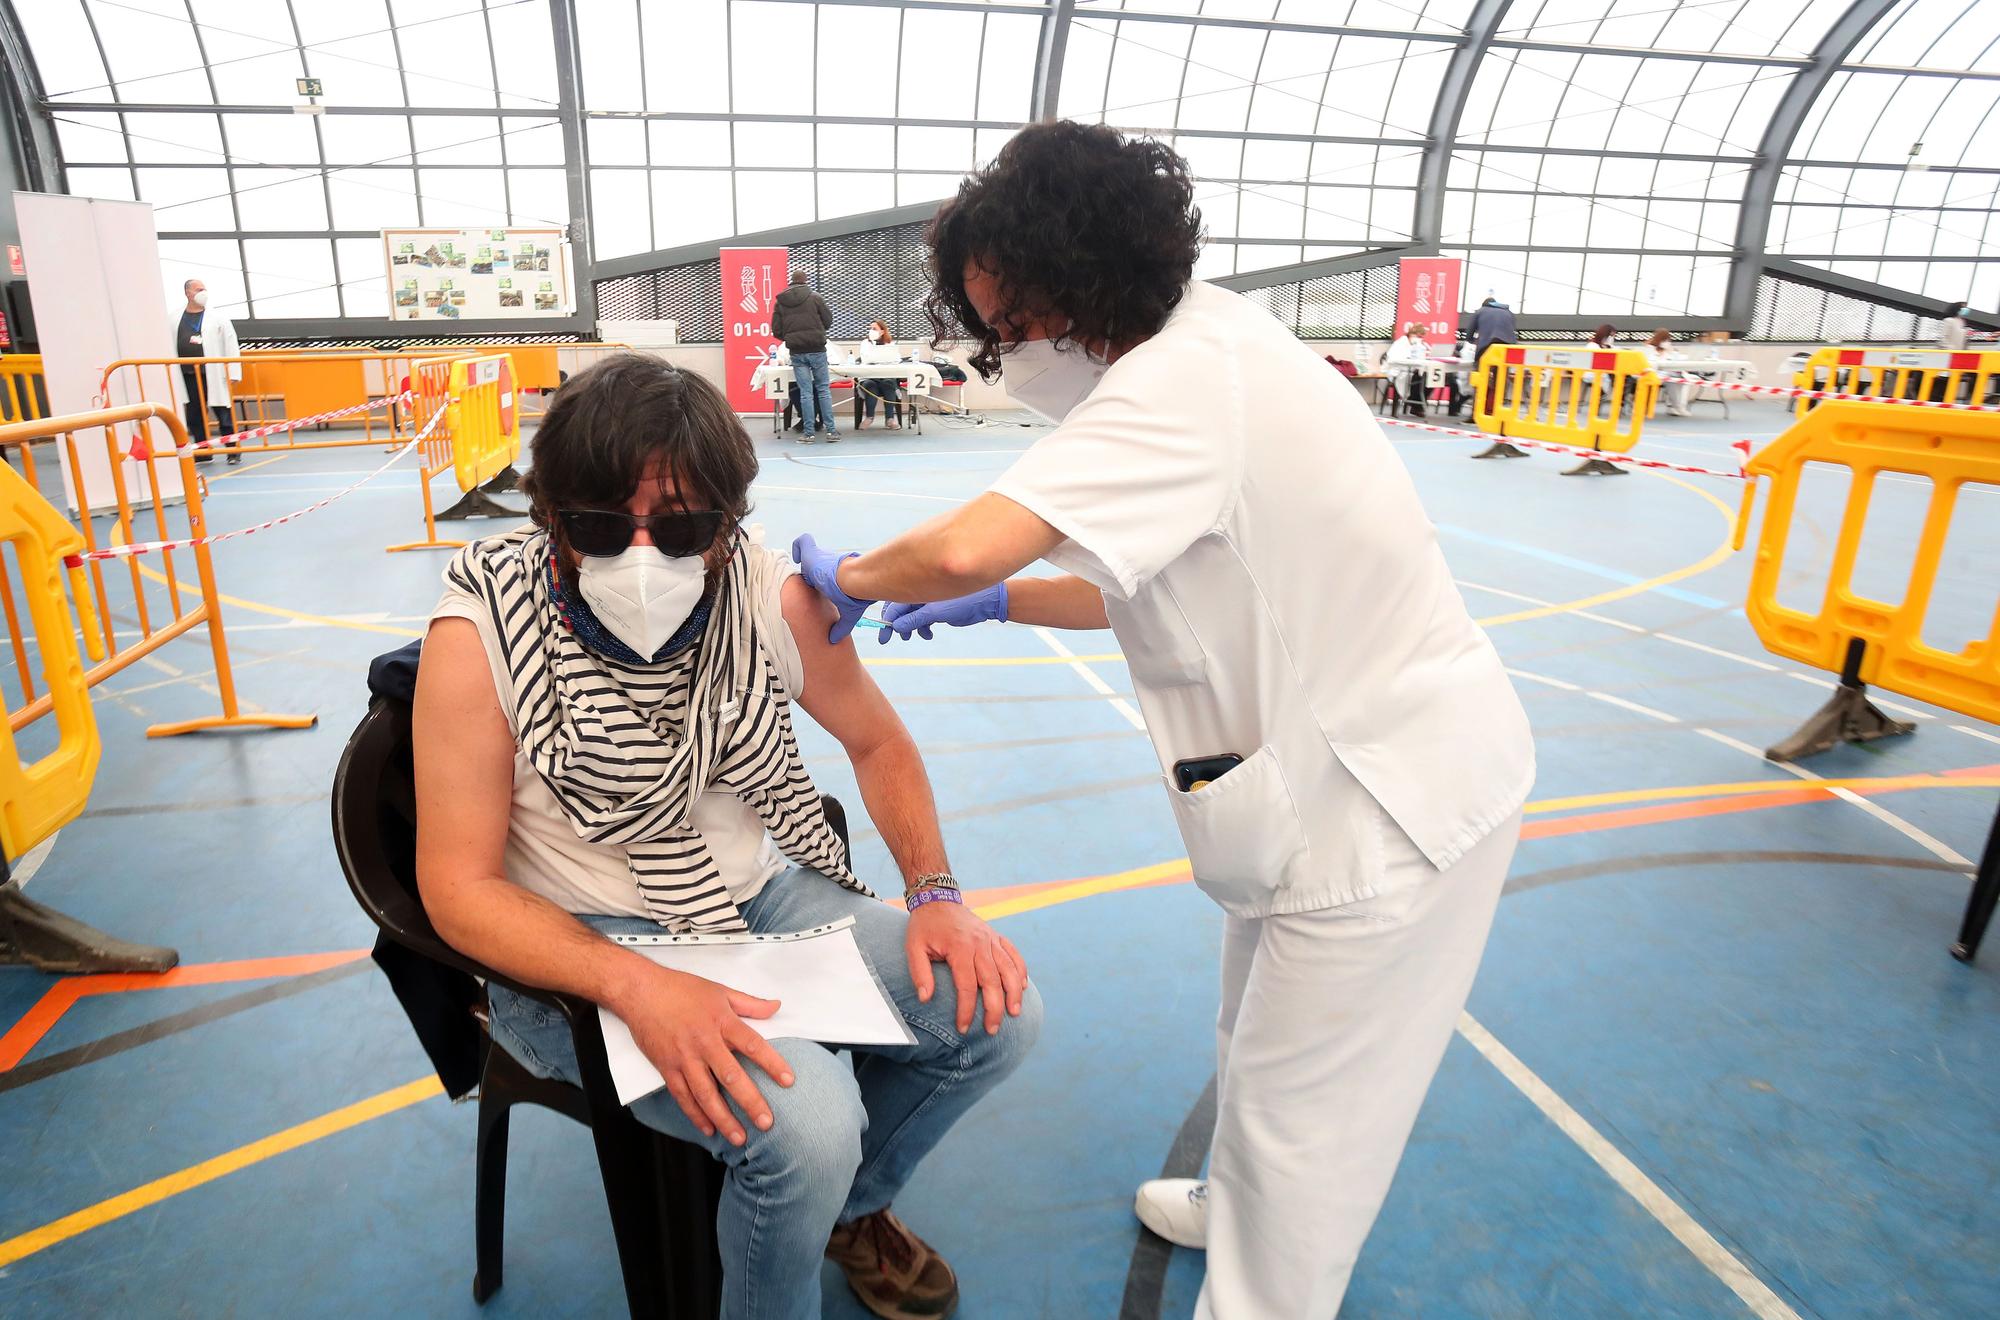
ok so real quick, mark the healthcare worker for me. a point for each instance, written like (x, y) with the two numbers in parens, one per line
(1344, 754)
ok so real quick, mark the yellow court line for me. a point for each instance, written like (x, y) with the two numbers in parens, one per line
(174, 1184)
(1716, 556)
(1881, 784)
(160, 1189)
(1103, 884)
(264, 462)
(994, 660)
(410, 1093)
(281, 612)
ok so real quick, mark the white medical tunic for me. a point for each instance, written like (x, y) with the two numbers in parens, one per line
(1279, 594)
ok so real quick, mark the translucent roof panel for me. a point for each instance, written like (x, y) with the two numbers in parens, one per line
(1892, 170)
(1599, 164)
(1719, 27)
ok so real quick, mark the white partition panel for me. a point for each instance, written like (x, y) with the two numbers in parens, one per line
(95, 277)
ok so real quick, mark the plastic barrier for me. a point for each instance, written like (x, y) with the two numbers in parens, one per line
(22, 393)
(1567, 395)
(40, 798)
(1932, 375)
(1870, 641)
(478, 441)
(142, 605)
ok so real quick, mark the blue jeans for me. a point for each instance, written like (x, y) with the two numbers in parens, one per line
(844, 1139)
(815, 391)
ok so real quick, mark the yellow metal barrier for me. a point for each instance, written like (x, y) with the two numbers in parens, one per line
(1864, 640)
(306, 385)
(1937, 375)
(477, 438)
(142, 605)
(22, 393)
(1572, 396)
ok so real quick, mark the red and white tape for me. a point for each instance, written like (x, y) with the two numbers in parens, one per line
(148, 547)
(1794, 392)
(235, 438)
(1742, 448)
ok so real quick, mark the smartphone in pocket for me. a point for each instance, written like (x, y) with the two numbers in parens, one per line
(1199, 771)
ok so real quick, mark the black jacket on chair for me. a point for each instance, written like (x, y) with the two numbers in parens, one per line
(438, 1000)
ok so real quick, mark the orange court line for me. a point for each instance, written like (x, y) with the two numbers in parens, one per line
(1590, 822)
(24, 1035)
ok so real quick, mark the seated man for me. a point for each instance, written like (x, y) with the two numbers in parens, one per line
(604, 745)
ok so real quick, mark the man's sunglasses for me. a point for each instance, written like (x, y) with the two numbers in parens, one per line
(605, 532)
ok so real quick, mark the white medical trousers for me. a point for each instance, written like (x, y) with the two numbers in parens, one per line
(1332, 1025)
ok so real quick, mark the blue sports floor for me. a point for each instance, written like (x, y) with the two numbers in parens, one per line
(1717, 1062)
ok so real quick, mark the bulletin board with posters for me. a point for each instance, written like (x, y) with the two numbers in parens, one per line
(476, 274)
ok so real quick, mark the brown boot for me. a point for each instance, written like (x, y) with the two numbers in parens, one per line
(894, 1272)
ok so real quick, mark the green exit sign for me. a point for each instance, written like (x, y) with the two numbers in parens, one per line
(310, 87)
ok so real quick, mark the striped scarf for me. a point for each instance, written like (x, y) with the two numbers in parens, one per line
(626, 749)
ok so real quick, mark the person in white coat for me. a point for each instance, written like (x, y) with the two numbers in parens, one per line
(1341, 748)
(200, 333)
(1407, 366)
(1661, 353)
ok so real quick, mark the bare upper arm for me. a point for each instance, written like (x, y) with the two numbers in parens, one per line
(464, 763)
(837, 692)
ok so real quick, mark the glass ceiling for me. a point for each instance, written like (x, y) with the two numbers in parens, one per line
(1597, 166)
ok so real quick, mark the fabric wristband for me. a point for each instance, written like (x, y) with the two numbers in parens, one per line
(918, 898)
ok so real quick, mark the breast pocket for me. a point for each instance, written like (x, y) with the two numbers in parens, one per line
(1159, 643)
(1245, 841)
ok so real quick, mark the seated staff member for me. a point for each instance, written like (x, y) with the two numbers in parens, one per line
(604, 745)
(878, 349)
(1659, 350)
(1405, 365)
(1230, 508)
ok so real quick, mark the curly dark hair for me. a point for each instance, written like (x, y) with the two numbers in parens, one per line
(609, 422)
(1076, 220)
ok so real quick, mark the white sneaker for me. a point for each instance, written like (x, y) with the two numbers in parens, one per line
(1176, 1209)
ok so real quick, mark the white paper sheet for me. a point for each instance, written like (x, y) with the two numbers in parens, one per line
(824, 988)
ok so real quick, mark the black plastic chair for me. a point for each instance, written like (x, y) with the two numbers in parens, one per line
(662, 1193)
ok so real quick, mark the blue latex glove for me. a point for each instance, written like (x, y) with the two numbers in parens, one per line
(961, 612)
(820, 569)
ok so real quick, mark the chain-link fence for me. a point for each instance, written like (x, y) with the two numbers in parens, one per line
(1790, 312)
(879, 275)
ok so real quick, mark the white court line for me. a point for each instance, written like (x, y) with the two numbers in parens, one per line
(1873, 695)
(884, 494)
(1718, 1259)
(1703, 647)
(1633, 706)
(1977, 733)
(818, 453)
(1097, 685)
(1929, 844)
(24, 870)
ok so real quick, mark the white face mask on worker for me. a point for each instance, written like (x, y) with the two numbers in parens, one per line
(201, 299)
(1047, 379)
(642, 596)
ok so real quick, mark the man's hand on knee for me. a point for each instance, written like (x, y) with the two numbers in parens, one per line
(984, 964)
(693, 1031)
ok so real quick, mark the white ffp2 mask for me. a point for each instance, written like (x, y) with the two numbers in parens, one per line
(1047, 379)
(642, 596)
(201, 299)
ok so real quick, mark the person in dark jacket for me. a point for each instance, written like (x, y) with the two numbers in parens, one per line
(801, 318)
(1492, 324)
